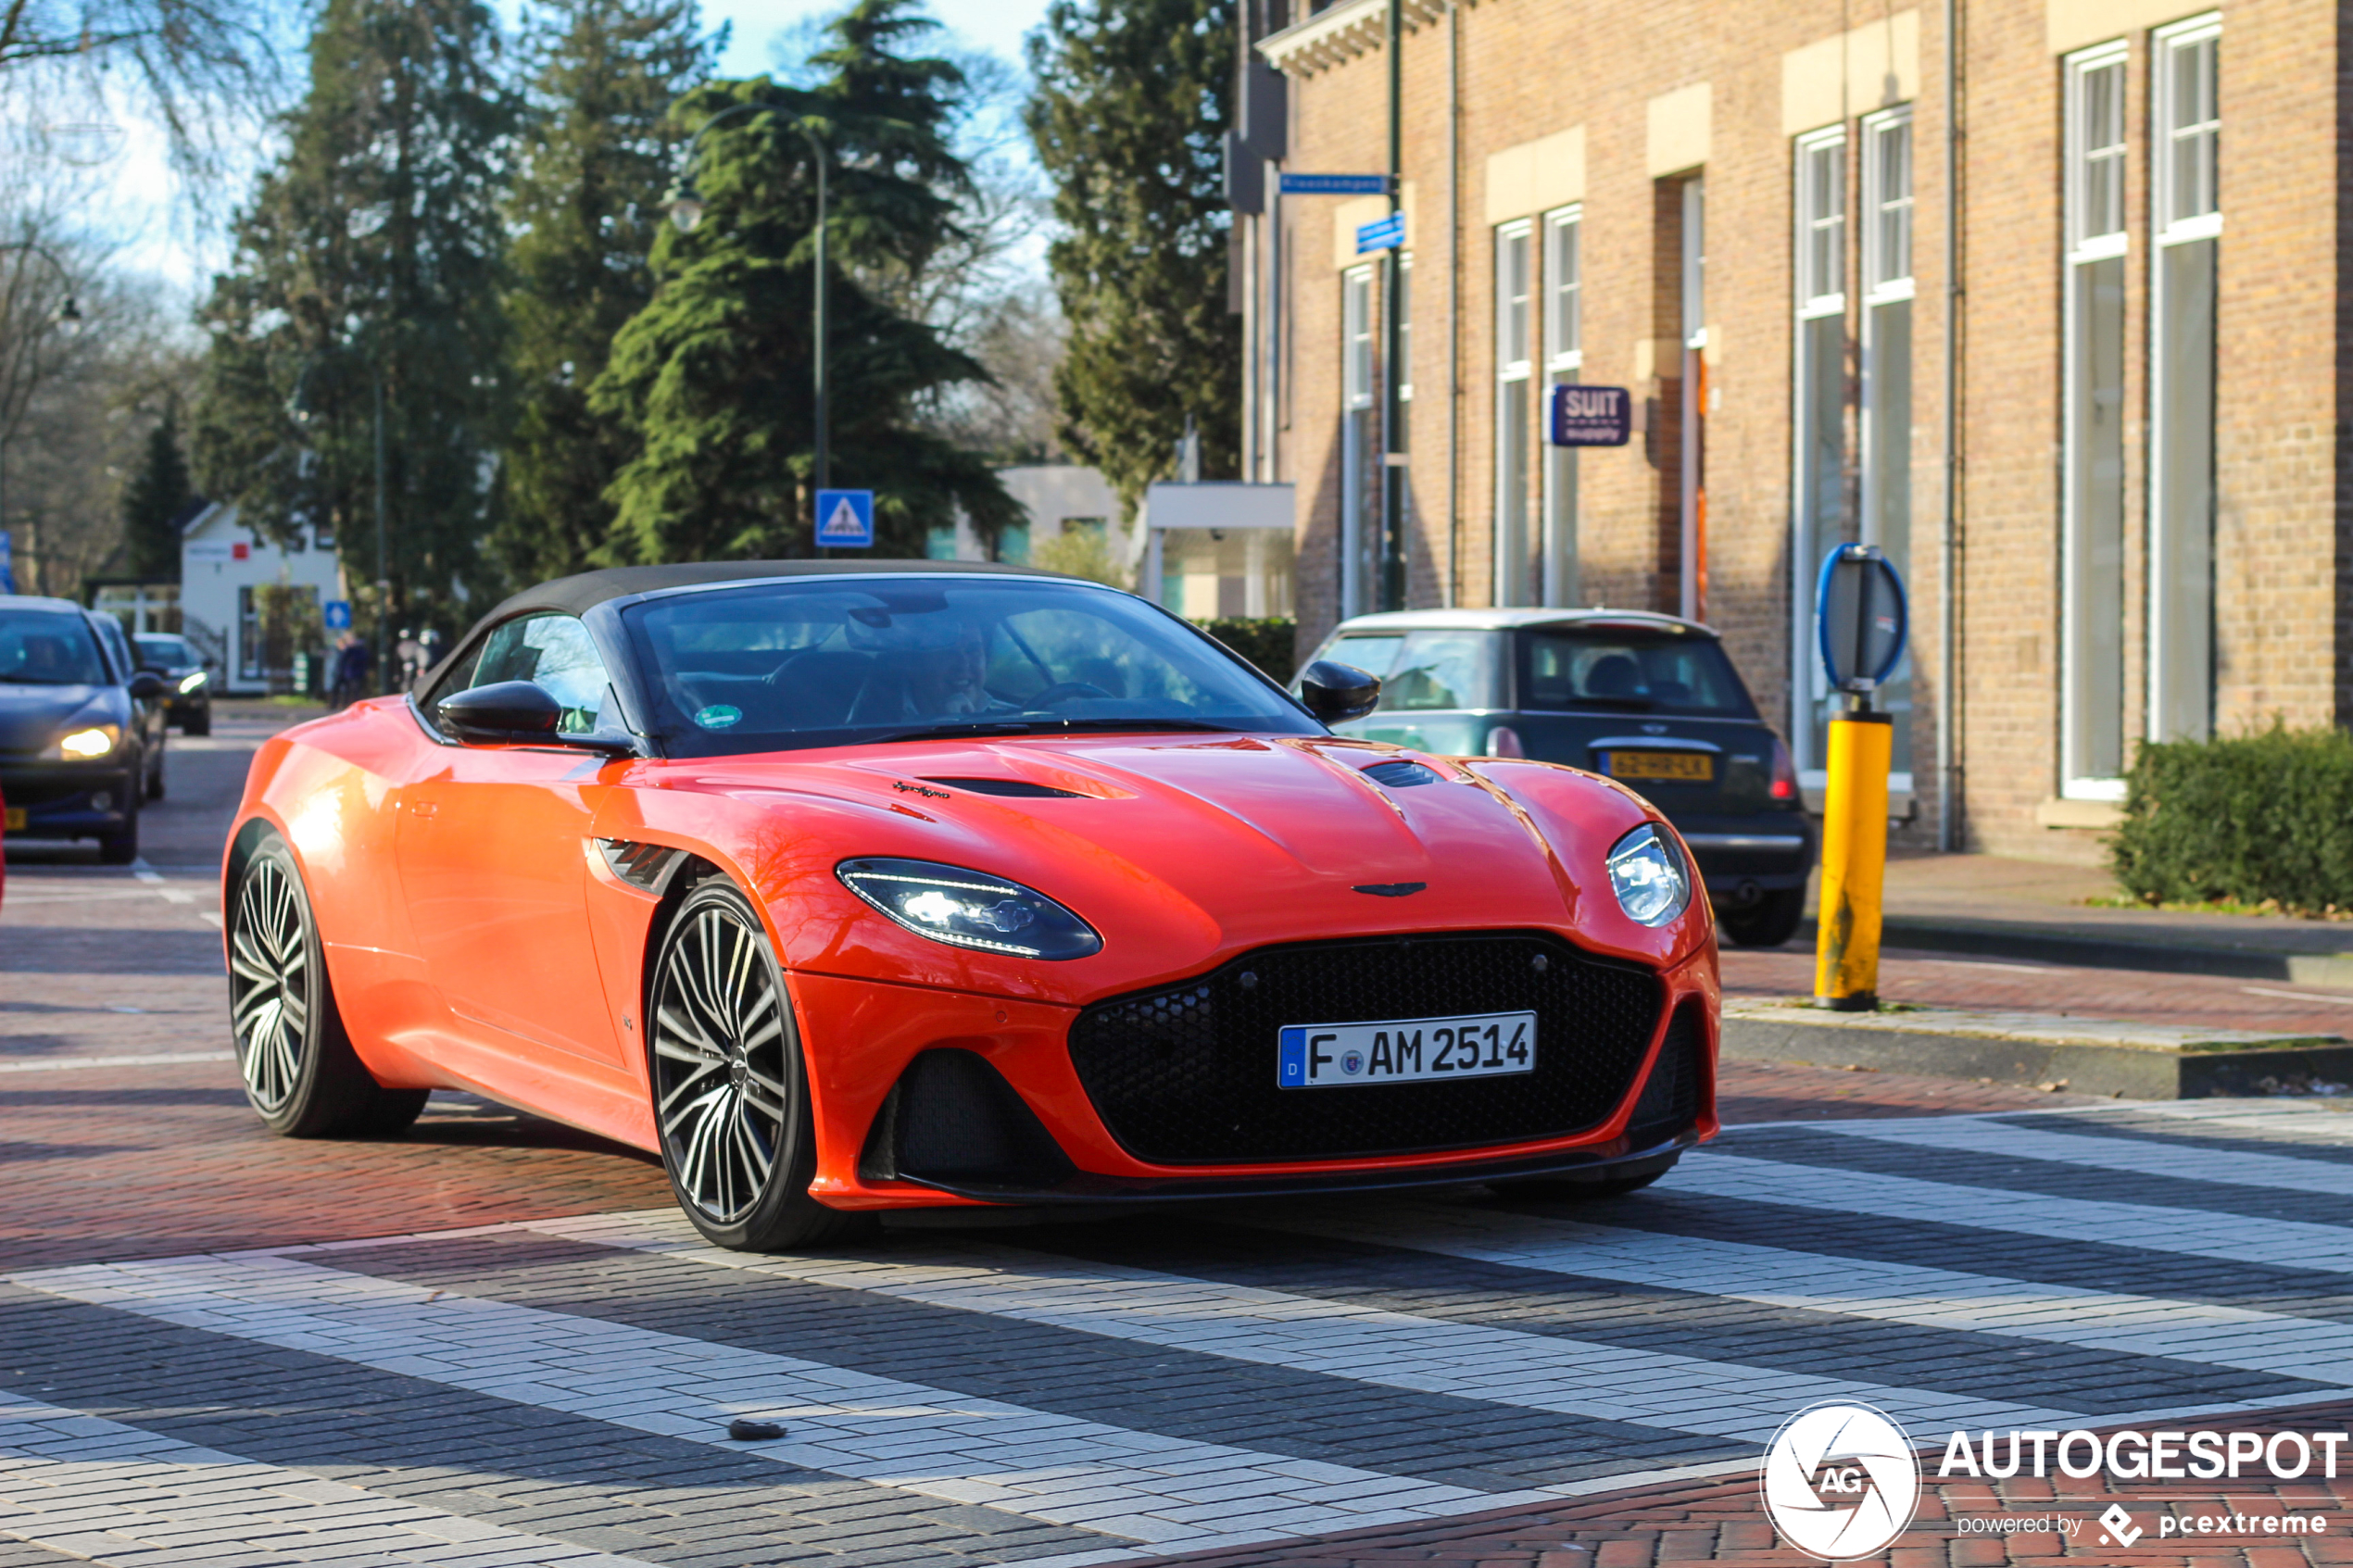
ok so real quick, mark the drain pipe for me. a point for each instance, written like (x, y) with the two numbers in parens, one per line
(1948, 836)
(1454, 302)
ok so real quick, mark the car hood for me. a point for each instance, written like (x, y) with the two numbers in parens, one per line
(31, 716)
(1181, 848)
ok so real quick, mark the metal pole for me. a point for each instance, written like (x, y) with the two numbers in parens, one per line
(384, 559)
(824, 466)
(1393, 486)
(1948, 829)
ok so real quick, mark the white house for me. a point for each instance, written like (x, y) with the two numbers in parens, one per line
(220, 565)
(1057, 496)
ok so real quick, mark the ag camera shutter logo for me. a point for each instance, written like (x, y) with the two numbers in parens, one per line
(1840, 1481)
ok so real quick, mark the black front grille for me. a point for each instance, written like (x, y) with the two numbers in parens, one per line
(1186, 1073)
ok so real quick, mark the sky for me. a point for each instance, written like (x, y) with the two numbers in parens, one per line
(136, 201)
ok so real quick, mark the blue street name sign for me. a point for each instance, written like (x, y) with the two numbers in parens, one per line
(1860, 617)
(1335, 185)
(1591, 416)
(8, 565)
(336, 613)
(1386, 234)
(846, 519)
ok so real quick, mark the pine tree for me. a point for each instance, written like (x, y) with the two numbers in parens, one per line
(713, 377)
(155, 499)
(366, 269)
(597, 152)
(1132, 105)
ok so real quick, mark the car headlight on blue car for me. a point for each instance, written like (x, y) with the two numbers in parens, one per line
(966, 908)
(1647, 872)
(191, 680)
(88, 744)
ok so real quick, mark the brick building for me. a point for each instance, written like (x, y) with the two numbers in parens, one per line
(1759, 216)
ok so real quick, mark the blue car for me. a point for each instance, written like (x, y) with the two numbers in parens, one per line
(1648, 700)
(80, 732)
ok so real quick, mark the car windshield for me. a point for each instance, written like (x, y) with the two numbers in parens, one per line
(830, 661)
(1630, 670)
(168, 653)
(43, 647)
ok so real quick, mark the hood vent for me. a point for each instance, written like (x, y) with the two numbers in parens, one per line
(1009, 787)
(1400, 774)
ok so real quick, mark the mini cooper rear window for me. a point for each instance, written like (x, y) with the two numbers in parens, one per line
(1426, 671)
(1623, 670)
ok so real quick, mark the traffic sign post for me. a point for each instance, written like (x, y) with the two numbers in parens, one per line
(336, 614)
(1384, 234)
(846, 519)
(1860, 624)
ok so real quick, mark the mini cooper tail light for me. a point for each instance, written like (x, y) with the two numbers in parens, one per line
(1504, 741)
(966, 908)
(1646, 872)
(1784, 772)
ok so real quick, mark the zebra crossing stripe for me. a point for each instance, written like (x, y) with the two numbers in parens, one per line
(1583, 1378)
(2177, 1161)
(114, 1494)
(1174, 1492)
(2329, 1121)
(1922, 1297)
(2239, 1238)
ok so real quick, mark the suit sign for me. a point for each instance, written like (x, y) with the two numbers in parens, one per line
(1591, 416)
(846, 519)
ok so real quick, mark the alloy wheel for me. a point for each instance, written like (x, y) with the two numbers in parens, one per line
(269, 983)
(719, 1063)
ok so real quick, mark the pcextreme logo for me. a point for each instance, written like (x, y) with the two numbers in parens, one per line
(1840, 1481)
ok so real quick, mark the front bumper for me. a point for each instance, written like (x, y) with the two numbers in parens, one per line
(957, 1100)
(60, 800)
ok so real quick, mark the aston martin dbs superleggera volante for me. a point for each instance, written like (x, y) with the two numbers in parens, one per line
(851, 886)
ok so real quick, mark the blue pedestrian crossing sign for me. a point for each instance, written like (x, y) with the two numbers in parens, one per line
(846, 519)
(336, 613)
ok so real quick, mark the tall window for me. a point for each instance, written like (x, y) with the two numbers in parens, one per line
(1886, 219)
(1818, 519)
(1693, 495)
(1515, 351)
(1564, 361)
(1360, 448)
(2092, 552)
(2188, 214)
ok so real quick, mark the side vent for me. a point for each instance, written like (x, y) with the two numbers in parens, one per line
(1670, 1099)
(951, 1120)
(647, 867)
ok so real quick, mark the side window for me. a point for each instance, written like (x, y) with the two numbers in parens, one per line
(554, 653)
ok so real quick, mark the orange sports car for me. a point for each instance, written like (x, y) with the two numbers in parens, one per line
(857, 885)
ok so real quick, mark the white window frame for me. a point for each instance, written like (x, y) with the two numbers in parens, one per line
(1811, 302)
(1564, 329)
(1886, 279)
(1882, 281)
(1358, 436)
(2083, 246)
(1406, 327)
(1813, 298)
(1514, 367)
(2169, 229)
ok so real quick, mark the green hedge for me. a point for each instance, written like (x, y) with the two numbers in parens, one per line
(1270, 644)
(2261, 817)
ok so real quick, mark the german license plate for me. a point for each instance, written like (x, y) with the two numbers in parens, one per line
(1405, 1050)
(1688, 767)
(14, 821)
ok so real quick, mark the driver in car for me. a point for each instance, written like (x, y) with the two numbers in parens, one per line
(949, 680)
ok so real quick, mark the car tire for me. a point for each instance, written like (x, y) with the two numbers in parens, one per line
(730, 1086)
(1570, 1188)
(1768, 923)
(121, 847)
(300, 1072)
(155, 777)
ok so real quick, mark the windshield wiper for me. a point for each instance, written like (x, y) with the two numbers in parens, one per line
(986, 727)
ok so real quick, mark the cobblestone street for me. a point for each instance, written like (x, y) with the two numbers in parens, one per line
(494, 1341)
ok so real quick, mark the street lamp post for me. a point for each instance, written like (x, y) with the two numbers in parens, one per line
(685, 207)
(68, 318)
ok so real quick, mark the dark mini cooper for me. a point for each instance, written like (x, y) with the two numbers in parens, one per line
(1648, 700)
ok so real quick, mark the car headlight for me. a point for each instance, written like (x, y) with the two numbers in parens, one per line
(190, 683)
(81, 746)
(1646, 872)
(970, 909)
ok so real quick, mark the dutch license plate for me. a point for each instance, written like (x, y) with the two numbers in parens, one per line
(1690, 767)
(14, 821)
(1405, 1050)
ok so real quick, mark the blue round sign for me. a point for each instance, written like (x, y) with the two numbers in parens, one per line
(1861, 615)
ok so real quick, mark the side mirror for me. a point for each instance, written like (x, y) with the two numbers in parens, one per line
(1333, 691)
(508, 712)
(146, 686)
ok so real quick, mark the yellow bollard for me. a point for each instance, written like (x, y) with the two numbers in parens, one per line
(1853, 862)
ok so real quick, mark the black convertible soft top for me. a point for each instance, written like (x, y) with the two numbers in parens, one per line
(575, 595)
